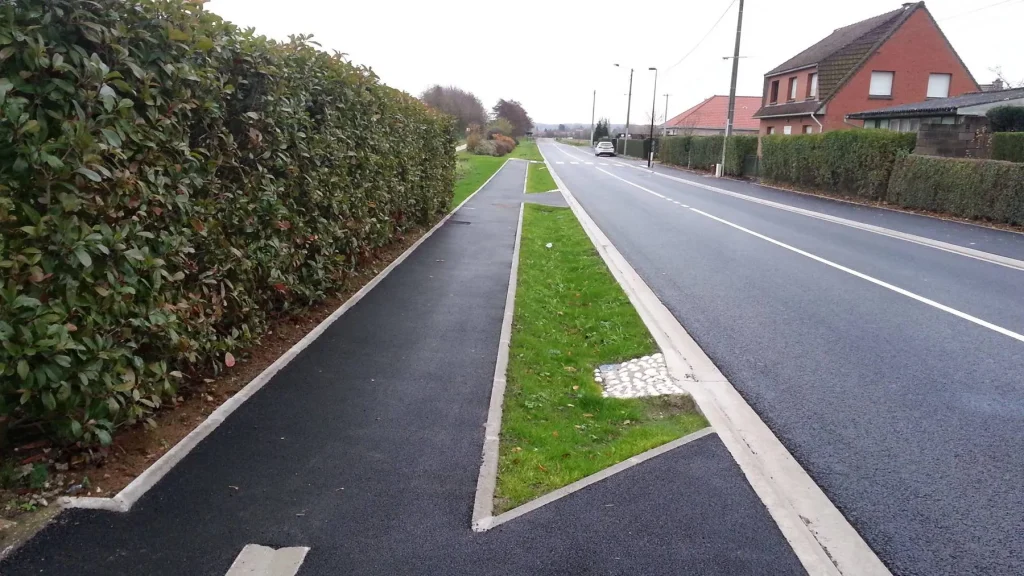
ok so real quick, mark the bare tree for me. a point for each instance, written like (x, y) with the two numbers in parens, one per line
(1000, 77)
(464, 106)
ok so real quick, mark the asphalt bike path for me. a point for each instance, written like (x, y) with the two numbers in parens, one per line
(366, 450)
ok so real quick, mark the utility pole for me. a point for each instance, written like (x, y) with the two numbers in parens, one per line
(593, 107)
(664, 124)
(629, 101)
(732, 87)
(654, 100)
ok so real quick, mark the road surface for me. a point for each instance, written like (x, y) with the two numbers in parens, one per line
(892, 371)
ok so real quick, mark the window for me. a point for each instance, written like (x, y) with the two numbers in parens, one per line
(787, 130)
(949, 119)
(775, 92)
(792, 88)
(771, 130)
(812, 85)
(883, 123)
(808, 129)
(871, 123)
(938, 85)
(881, 85)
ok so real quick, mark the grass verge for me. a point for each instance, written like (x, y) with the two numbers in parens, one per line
(527, 150)
(571, 316)
(472, 172)
(538, 179)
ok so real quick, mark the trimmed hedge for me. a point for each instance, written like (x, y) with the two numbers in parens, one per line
(986, 189)
(1006, 118)
(169, 183)
(848, 162)
(704, 152)
(634, 148)
(1008, 146)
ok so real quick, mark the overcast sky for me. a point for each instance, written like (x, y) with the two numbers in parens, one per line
(550, 55)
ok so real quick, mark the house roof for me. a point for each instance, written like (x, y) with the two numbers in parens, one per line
(839, 55)
(712, 113)
(942, 105)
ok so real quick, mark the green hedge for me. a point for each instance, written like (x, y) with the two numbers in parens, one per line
(1006, 118)
(634, 148)
(1008, 146)
(168, 184)
(704, 152)
(986, 189)
(848, 162)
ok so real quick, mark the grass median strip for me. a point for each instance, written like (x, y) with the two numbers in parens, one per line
(570, 317)
(527, 150)
(472, 171)
(538, 179)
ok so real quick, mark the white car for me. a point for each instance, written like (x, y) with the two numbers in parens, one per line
(603, 148)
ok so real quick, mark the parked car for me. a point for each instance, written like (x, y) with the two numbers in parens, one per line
(604, 148)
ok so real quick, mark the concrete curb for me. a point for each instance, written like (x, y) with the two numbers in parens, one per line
(822, 539)
(491, 522)
(130, 494)
(483, 502)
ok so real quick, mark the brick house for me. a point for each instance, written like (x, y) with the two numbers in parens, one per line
(709, 118)
(895, 58)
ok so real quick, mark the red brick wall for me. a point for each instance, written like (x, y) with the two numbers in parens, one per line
(801, 86)
(797, 122)
(912, 52)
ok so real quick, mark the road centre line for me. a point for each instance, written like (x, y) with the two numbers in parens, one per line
(861, 275)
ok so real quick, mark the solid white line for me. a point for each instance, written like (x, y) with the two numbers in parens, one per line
(626, 464)
(130, 494)
(483, 502)
(873, 280)
(1004, 261)
(861, 275)
(822, 539)
(256, 560)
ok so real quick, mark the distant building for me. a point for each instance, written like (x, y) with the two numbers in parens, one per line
(895, 58)
(996, 85)
(709, 117)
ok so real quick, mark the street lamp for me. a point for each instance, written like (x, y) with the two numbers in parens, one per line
(654, 98)
(629, 100)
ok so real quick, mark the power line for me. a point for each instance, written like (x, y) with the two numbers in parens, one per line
(977, 10)
(701, 41)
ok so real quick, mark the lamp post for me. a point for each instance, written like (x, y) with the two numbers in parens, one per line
(654, 100)
(629, 101)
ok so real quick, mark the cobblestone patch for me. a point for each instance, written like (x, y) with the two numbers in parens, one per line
(646, 376)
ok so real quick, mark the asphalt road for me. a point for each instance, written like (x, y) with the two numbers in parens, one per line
(909, 416)
(366, 449)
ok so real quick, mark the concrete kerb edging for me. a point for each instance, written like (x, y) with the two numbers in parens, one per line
(913, 238)
(483, 502)
(129, 495)
(822, 539)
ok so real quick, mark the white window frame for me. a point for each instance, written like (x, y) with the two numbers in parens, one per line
(814, 85)
(938, 85)
(787, 129)
(793, 83)
(881, 83)
(808, 130)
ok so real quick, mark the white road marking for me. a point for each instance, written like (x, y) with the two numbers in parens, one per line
(590, 163)
(559, 162)
(573, 162)
(256, 560)
(861, 275)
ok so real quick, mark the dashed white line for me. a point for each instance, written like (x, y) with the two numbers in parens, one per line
(573, 162)
(559, 162)
(861, 275)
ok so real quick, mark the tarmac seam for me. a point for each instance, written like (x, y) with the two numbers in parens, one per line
(130, 494)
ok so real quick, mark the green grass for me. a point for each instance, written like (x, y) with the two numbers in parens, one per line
(472, 172)
(538, 179)
(527, 150)
(570, 317)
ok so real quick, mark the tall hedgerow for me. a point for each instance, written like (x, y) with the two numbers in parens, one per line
(169, 183)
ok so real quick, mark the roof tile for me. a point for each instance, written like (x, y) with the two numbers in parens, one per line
(711, 114)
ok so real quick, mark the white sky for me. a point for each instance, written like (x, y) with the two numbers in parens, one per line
(551, 54)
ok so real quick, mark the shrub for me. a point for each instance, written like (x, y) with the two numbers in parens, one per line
(851, 162)
(704, 152)
(503, 145)
(634, 148)
(1006, 118)
(171, 182)
(1008, 146)
(987, 189)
